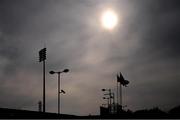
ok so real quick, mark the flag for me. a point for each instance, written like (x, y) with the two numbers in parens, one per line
(122, 80)
(118, 78)
(121, 77)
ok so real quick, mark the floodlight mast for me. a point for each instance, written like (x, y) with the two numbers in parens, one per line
(110, 97)
(109, 90)
(42, 58)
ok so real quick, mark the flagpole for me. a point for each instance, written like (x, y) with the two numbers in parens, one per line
(120, 95)
(117, 94)
(117, 97)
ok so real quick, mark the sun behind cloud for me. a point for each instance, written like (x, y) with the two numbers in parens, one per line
(109, 19)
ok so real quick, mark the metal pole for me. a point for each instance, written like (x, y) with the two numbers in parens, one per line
(58, 92)
(117, 98)
(110, 96)
(114, 107)
(121, 96)
(44, 86)
(117, 94)
(110, 100)
(113, 97)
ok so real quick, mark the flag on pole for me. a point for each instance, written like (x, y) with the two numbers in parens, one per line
(122, 80)
(118, 78)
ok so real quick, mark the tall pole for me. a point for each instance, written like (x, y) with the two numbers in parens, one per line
(110, 96)
(113, 102)
(120, 95)
(44, 86)
(117, 94)
(110, 99)
(42, 58)
(117, 98)
(108, 102)
(59, 92)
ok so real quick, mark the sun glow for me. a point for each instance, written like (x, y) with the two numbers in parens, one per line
(109, 19)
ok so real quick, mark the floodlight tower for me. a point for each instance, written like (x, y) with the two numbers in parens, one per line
(42, 58)
(110, 97)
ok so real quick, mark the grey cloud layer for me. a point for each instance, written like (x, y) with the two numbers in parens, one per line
(144, 48)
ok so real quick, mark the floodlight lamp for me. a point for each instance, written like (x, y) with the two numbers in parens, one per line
(66, 70)
(51, 72)
(103, 89)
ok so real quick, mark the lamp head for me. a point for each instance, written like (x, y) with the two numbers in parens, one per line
(66, 70)
(51, 72)
(103, 89)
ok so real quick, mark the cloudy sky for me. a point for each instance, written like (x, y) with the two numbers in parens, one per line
(144, 47)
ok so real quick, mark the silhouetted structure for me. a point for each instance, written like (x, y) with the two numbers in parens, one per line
(62, 91)
(104, 111)
(24, 114)
(114, 108)
(120, 82)
(140, 114)
(175, 110)
(42, 58)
